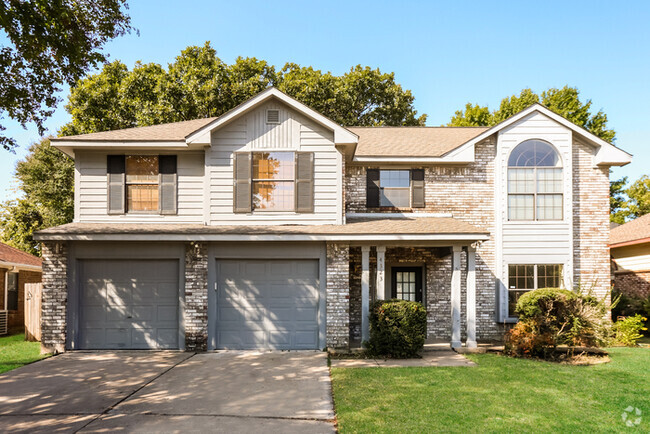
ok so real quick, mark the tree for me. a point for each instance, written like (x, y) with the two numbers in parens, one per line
(46, 179)
(51, 43)
(618, 203)
(198, 84)
(639, 194)
(565, 102)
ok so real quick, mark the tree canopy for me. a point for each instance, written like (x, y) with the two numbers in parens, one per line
(199, 84)
(51, 43)
(46, 179)
(565, 102)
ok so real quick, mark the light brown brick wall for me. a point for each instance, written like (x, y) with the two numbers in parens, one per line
(196, 297)
(338, 296)
(634, 284)
(591, 260)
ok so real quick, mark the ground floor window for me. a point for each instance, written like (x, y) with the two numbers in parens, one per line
(12, 291)
(526, 277)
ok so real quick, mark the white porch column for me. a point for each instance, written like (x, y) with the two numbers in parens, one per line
(381, 269)
(365, 292)
(455, 297)
(471, 297)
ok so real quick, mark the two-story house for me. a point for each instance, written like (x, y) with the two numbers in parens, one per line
(273, 227)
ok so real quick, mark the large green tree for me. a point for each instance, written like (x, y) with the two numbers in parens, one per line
(639, 194)
(618, 204)
(46, 179)
(565, 102)
(199, 84)
(196, 84)
(48, 44)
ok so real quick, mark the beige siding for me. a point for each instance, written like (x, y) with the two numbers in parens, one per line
(632, 258)
(295, 133)
(91, 192)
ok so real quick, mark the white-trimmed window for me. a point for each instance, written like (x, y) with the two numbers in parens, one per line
(535, 185)
(395, 188)
(527, 277)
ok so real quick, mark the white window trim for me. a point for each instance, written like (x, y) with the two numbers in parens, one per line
(510, 318)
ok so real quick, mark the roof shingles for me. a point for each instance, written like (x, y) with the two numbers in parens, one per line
(12, 255)
(637, 229)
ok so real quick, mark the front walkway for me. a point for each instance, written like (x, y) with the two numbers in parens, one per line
(169, 392)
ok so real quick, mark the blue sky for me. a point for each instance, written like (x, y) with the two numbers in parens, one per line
(447, 53)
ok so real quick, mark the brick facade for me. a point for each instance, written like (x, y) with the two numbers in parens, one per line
(196, 297)
(633, 284)
(449, 189)
(591, 260)
(338, 296)
(55, 296)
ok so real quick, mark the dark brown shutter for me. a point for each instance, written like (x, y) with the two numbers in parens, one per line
(417, 188)
(242, 183)
(168, 184)
(304, 182)
(116, 189)
(372, 188)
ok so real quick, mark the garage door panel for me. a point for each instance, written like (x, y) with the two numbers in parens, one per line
(128, 304)
(265, 303)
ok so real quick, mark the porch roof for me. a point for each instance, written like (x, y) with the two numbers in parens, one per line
(356, 229)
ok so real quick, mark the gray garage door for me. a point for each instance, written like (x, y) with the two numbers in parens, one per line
(267, 304)
(128, 304)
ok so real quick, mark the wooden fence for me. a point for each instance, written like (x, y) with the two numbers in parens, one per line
(33, 292)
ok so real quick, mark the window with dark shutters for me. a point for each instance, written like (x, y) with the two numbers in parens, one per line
(372, 188)
(305, 182)
(116, 169)
(242, 183)
(417, 188)
(168, 184)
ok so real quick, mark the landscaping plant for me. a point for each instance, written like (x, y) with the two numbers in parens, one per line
(397, 328)
(549, 317)
(628, 330)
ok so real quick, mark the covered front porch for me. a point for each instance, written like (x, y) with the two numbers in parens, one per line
(442, 275)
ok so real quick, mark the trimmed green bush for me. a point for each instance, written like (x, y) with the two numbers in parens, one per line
(397, 328)
(549, 317)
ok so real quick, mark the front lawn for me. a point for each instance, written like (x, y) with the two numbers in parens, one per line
(501, 394)
(16, 352)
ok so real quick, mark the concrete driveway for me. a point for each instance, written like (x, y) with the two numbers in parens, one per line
(169, 392)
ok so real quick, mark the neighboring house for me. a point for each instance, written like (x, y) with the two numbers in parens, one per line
(16, 269)
(273, 227)
(629, 246)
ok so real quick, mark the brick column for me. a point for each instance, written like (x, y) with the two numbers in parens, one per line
(196, 297)
(338, 296)
(55, 296)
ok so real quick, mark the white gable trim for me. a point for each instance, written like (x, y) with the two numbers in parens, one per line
(607, 154)
(341, 135)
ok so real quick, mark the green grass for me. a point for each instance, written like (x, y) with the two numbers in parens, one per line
(501, 394)
(16, 352)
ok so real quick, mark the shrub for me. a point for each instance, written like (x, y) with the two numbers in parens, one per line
(628, 331)
(550, 317)
(397, 328)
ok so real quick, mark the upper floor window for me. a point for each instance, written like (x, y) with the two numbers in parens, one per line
(535, 186)
(395, 188)
(141, 183)
(273, 181)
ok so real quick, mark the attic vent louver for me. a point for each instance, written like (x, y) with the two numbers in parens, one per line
(273, 116)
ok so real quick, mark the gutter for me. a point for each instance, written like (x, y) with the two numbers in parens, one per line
(19, 267)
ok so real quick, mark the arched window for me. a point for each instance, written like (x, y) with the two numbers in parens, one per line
(534, 182)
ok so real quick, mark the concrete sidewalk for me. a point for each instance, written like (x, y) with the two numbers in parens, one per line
(437, 358)
(169, 392)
